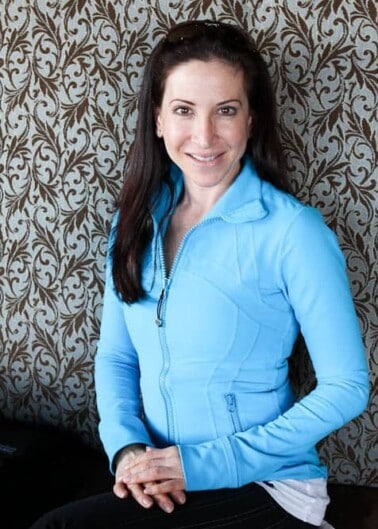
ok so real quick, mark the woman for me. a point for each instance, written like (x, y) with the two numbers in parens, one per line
(213, 270)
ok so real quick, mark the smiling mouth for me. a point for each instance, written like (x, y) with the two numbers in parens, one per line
(209, 158)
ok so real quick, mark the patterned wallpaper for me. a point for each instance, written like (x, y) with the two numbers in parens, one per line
(69, 75)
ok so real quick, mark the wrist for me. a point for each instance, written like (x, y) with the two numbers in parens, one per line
(129, 450)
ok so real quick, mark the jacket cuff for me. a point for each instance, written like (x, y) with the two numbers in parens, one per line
(209, 465)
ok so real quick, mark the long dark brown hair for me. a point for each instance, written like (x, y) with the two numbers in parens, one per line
(147, 169)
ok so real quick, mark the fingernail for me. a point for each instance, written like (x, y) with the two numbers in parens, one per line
(146, 503)
(168, 508)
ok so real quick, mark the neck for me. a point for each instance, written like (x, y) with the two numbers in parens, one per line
(200, 200)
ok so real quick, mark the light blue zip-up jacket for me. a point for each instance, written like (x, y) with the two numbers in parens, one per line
(208, 346)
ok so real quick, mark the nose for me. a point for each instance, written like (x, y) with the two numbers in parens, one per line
(204, 131)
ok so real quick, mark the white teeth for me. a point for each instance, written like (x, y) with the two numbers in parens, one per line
(204, 158)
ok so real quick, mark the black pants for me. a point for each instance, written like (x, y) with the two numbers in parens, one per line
(249, 507)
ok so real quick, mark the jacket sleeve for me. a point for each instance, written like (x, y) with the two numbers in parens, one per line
(117, 378)
(311, 274)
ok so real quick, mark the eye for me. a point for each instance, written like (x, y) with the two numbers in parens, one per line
(182, 110)
(227, 110)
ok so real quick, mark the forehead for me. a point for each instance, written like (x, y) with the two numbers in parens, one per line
(205, 78)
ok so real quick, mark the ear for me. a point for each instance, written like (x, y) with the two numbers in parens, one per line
(159, 132)
(251, 123)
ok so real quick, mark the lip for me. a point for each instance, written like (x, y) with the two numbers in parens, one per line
(204, 158)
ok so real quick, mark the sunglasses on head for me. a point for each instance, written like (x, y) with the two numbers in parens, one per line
(195, 29)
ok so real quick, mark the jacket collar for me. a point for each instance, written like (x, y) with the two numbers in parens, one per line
(242, 202)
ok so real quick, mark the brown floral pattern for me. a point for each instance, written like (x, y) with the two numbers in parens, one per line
(69, 77)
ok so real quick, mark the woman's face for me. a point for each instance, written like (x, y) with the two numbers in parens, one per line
(205, 121)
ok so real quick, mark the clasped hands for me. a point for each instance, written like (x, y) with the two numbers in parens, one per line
(151, 476)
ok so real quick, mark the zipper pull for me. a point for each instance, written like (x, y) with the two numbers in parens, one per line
(231, 404)
(159, 321)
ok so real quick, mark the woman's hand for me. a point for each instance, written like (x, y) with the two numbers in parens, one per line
(160, 466)
(130, 481)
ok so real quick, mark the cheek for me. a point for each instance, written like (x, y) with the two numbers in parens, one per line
(175, 134)
(239, 137)
(172, 141)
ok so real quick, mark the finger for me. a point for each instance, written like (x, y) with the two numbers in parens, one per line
(157, 469)
(120, 490)
(163, 501)
(151, 474)
(169, 486)
(139, 496)
(178, 496)
(142, 461)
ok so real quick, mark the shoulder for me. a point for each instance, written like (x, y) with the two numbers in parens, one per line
(287, 212)
(296, 233)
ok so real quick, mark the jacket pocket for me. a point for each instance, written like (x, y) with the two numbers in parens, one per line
(232, 409)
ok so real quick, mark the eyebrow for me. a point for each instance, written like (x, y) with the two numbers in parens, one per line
(221, 103)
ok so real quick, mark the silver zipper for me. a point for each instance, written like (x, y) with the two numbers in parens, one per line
(159, 308)
(160, 321)
(163, 294)
(233, 411)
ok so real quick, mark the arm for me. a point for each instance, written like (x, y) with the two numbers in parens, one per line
(117, 378)
(122, 430)
(311, 274)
